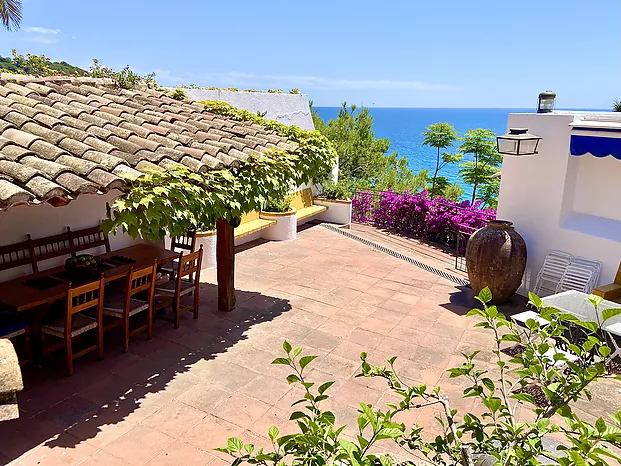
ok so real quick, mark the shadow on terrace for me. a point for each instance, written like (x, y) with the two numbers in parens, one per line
(59, 411)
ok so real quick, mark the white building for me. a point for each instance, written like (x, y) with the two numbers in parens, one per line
(568, 196)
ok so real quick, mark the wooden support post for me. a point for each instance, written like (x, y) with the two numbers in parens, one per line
(225, 255)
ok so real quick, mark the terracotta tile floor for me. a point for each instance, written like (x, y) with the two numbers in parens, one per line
(171, 400)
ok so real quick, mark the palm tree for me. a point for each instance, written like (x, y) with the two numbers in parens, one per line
(10, 13)
(616, 106)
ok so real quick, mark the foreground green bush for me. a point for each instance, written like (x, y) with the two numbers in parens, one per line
(543, 381)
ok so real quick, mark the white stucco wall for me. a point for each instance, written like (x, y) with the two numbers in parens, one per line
(45, 220)
(289, 109)
(560, 201)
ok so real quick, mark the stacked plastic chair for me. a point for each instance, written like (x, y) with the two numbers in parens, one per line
(549, 277)
(576, 278)
(594, 266)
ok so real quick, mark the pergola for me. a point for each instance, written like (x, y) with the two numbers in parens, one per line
(63, 137)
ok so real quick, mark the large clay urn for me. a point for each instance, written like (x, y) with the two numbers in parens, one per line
(496, 257)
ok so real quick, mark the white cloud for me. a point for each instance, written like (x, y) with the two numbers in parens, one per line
(40, 35)
(42, 30)
(315, 82)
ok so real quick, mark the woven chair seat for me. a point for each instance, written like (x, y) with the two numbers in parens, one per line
(79, 324)
(12, 329)
(168, 288)
(114, 306)
(171, 266)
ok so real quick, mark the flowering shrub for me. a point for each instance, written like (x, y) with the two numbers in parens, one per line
(415, 214)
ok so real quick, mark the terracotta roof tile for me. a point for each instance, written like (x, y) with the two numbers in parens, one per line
(45, 189)
(47, 150)
(63, 136)
(139, 130)
(11, 194)
(16, 118)
(49, 135)
(163, 141)
(22, 138)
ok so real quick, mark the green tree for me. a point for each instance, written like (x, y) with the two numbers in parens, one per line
(11, 13)
(481, 143)
(616, 106)
(489, 193)
(441, 136)
(453, 192)
(364, 160)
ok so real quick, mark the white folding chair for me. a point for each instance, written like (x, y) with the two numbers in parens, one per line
(552, 270)
(593, 265)
(576, 278)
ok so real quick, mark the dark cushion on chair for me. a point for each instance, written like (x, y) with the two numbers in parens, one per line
(12, 328)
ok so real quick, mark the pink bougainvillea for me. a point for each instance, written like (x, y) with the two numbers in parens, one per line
(414, 214)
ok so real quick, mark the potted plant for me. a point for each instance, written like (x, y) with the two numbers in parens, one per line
(279, 210)
(337, 197)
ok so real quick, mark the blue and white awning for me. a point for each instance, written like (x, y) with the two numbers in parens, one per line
(596, 137)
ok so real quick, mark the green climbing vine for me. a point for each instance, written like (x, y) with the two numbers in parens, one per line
(315, 152)
(172, 202)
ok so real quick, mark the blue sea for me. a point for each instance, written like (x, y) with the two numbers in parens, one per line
(404, 128)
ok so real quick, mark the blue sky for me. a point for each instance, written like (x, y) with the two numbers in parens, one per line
(415, 53)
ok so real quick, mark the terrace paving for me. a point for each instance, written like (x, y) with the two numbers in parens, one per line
(171, 400)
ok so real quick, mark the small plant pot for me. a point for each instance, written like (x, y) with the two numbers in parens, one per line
(339, 211)
(285, 228)
(208, 240)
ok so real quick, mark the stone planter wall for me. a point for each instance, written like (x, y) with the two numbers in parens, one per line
(285, 228)
(339, 211)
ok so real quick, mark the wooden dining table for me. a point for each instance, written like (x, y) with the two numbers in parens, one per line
(21, 295)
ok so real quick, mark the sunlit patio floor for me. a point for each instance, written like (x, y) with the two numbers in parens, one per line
(172, 400)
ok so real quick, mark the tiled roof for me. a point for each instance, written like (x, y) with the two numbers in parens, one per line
(61, 137)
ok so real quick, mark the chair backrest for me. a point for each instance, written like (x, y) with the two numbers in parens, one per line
(190, 264)
(302, 199)
(185, 243)
(576, 278)
(15, 255)
(141, 280)
(85, 296)
(50, 247)
(88, 238)
(618, 276)
(555, 264)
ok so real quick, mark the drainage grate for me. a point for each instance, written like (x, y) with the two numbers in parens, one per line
(398, 255)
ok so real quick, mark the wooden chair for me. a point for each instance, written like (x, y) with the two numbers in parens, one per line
(11, 327)
(125, 305)
(15, 255)
(88, 238)
(172, 291)
(50, 247)
(185, 243)
(179, 244)
(75, 323)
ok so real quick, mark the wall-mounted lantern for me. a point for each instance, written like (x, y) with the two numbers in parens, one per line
(546, 102)
(518, 141)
